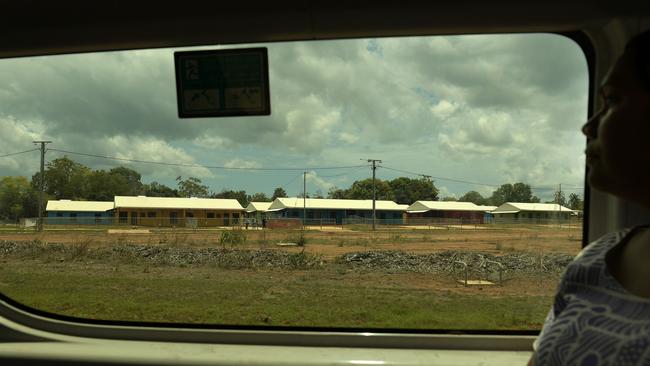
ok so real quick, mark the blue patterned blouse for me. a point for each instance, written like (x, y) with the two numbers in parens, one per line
(594, 320)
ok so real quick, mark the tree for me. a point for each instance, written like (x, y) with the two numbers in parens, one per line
(278, 192)
(519, 192)
(449, 199)
(192, 187)
(559, 198)
(120, 181)
(155, 189)
(64, 179)
(132, 186)
(362, 190)
(259, 197)
(104, 186)
(17, 198)
(319, 194)
(474, 197)
(240, 196)
(335, 193)
(575, 202)
(407, 190)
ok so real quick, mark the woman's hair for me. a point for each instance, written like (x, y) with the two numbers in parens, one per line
(639, 49)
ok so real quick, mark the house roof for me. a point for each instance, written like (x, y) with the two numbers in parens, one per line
(79, 206)
(487, 208)
(424, 206)
(334, 204)
(258, 206)
(514, 207)
(177, 203)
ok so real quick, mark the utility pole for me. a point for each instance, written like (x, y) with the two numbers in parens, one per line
(39, 226)
(304, 199)
(559, 203)
(374, 190)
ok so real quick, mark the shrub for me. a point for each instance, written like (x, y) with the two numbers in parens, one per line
(301, 241)
(298, 260)
(232, 237)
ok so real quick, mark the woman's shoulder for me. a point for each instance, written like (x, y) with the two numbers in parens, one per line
(589, 267)
(596, 251)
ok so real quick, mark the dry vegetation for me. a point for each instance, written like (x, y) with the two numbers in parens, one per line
(350, 278)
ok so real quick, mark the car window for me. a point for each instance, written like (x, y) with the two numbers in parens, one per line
(470, 146)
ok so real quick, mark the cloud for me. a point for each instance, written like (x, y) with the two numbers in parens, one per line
(487, 108)
(17, 136)
(313, 180)
(443, 192)
(135, 148)
(240, 163)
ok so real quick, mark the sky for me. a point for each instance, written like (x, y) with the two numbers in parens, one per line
(483, 109)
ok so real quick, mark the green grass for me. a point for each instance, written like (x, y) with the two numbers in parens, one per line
(268, 297)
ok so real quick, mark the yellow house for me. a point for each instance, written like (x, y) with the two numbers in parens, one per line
(172, 211)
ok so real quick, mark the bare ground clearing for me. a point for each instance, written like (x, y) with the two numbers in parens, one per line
(331, 244)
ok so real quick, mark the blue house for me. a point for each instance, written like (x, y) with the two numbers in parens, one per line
(337, 211)
(63, 212)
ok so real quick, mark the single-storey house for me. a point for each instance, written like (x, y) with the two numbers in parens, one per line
(430, 211)
(487, 213)
(59, 212)
(257, 210)
(337, 211)
(172, 211)
(518, 211)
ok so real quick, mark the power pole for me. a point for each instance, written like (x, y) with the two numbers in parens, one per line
(304, 199)
(559, 203)
(39, 225)
(374, 190)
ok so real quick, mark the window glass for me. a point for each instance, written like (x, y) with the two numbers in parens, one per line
(474, 143)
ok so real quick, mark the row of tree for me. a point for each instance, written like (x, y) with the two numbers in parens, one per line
(401, 190)
(518, 192)
(64, 178)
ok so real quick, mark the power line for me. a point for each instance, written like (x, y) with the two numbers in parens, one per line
(18, 153)
(555, 188)
(286, 185)
(439, 178)
(203, 166)
(571, 188)
(345, 173)
(358, 167)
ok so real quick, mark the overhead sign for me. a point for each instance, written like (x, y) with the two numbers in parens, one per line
(221, 83)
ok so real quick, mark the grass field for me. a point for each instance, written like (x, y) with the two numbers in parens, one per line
(330, 295)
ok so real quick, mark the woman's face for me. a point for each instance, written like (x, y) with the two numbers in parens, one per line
(618, 152)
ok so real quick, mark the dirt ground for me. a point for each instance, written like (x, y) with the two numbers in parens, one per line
(331, 243)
